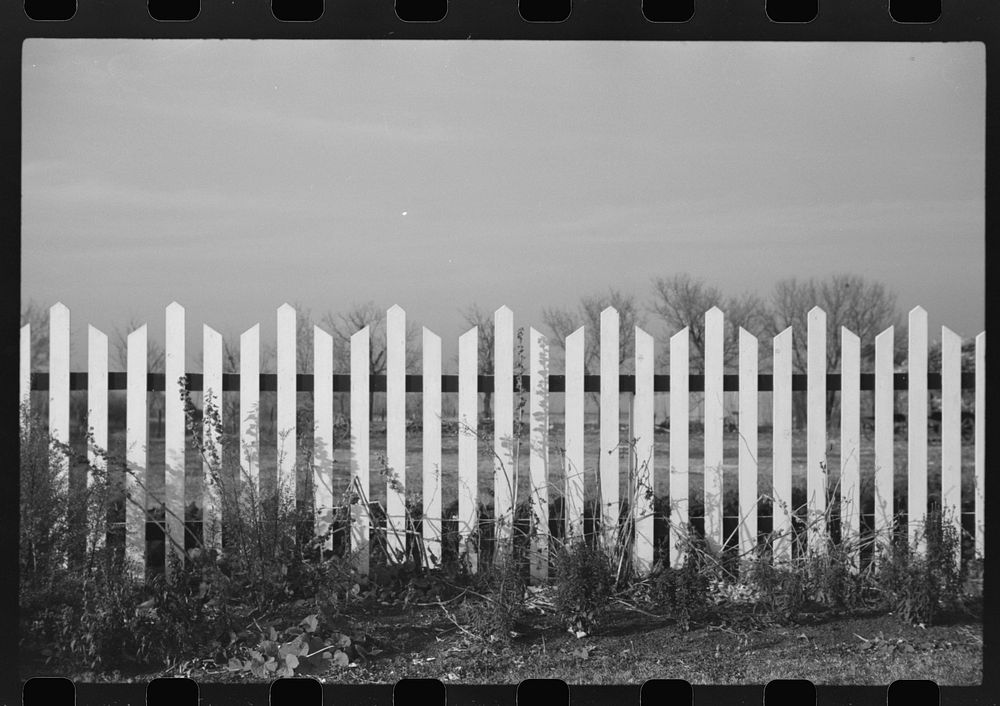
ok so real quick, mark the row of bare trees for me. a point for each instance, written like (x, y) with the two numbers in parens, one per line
(680, 301)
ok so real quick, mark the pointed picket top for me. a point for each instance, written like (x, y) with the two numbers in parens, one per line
(847, 335)
(503, 311)
(250, 331)
(714, 312)
(285, 307)
(745, 335)
(886, 334)
(917, 312)
(360, 332)
(576, 335)
(608, 311)
(174, 306)
(59, 308)
(395, 310)
(816, 315)
(642, 335)
(683, 333)
(471, 332)
(319, 332)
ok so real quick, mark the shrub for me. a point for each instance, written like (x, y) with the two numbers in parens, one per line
(500, 604)
(780, 591)
(924, 588)
(584, 583)
(682, 592)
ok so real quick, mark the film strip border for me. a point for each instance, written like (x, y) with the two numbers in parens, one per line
(426, 692)
(899, 20)
(675, 11)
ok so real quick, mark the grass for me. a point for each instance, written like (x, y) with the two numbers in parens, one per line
(449, 461)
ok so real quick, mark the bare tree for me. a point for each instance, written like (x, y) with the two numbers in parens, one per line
(563, 322)
(475, 316)
(345, 324)
(156, 355)
(681, 301)
(865, 308)
(38, 317)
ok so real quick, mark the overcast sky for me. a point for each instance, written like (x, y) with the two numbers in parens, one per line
(235, 175)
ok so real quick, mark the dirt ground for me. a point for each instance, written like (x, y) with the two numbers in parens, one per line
(422, 642)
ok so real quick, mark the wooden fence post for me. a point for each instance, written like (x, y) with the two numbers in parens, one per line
(360, 449)
(468, 448)
(747, 455)
(680, 422)
(504, 463)
(714, 414)
(782, 508)
(395, 433)
(432, 448)
(538, 448)
(641, 435)
(609, 464)
(136, 425)
(574, 433)
(884, 433)
(916, 429)
(850, 443)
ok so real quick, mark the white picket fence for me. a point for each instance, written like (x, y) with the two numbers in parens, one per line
(646, 468)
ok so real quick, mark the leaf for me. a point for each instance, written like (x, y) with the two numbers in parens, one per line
(342, 641)
(235, 665)
(273, 635)
(310, 623)
(291, 661)
(340, 659)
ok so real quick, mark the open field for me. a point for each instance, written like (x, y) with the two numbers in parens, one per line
(661, 465)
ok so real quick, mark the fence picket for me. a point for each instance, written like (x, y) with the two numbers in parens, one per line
(884, 434)
(322, 470)
(538, 457)
(287, 432)
(432, 449)
(212, 438)
(816, 468)
(174, 429)
(395, 432)
(680, 422)
(504, 463)
(59, 388)
(781, 447)
(641, 469)
(916, 428)
(850, 443)
(24, 371)
(575, 402)
(250, 408)
(609, 465)
(468, 446)
(135, 452)
(641, 501)
(951, 433)
(980, 441)
(97, 414)
(360, 448)
(747, 459)
(714, 414)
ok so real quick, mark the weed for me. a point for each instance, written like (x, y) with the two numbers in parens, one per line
(585, 580)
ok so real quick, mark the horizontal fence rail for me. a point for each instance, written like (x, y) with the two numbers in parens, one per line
(623, 473)
(305, 382)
